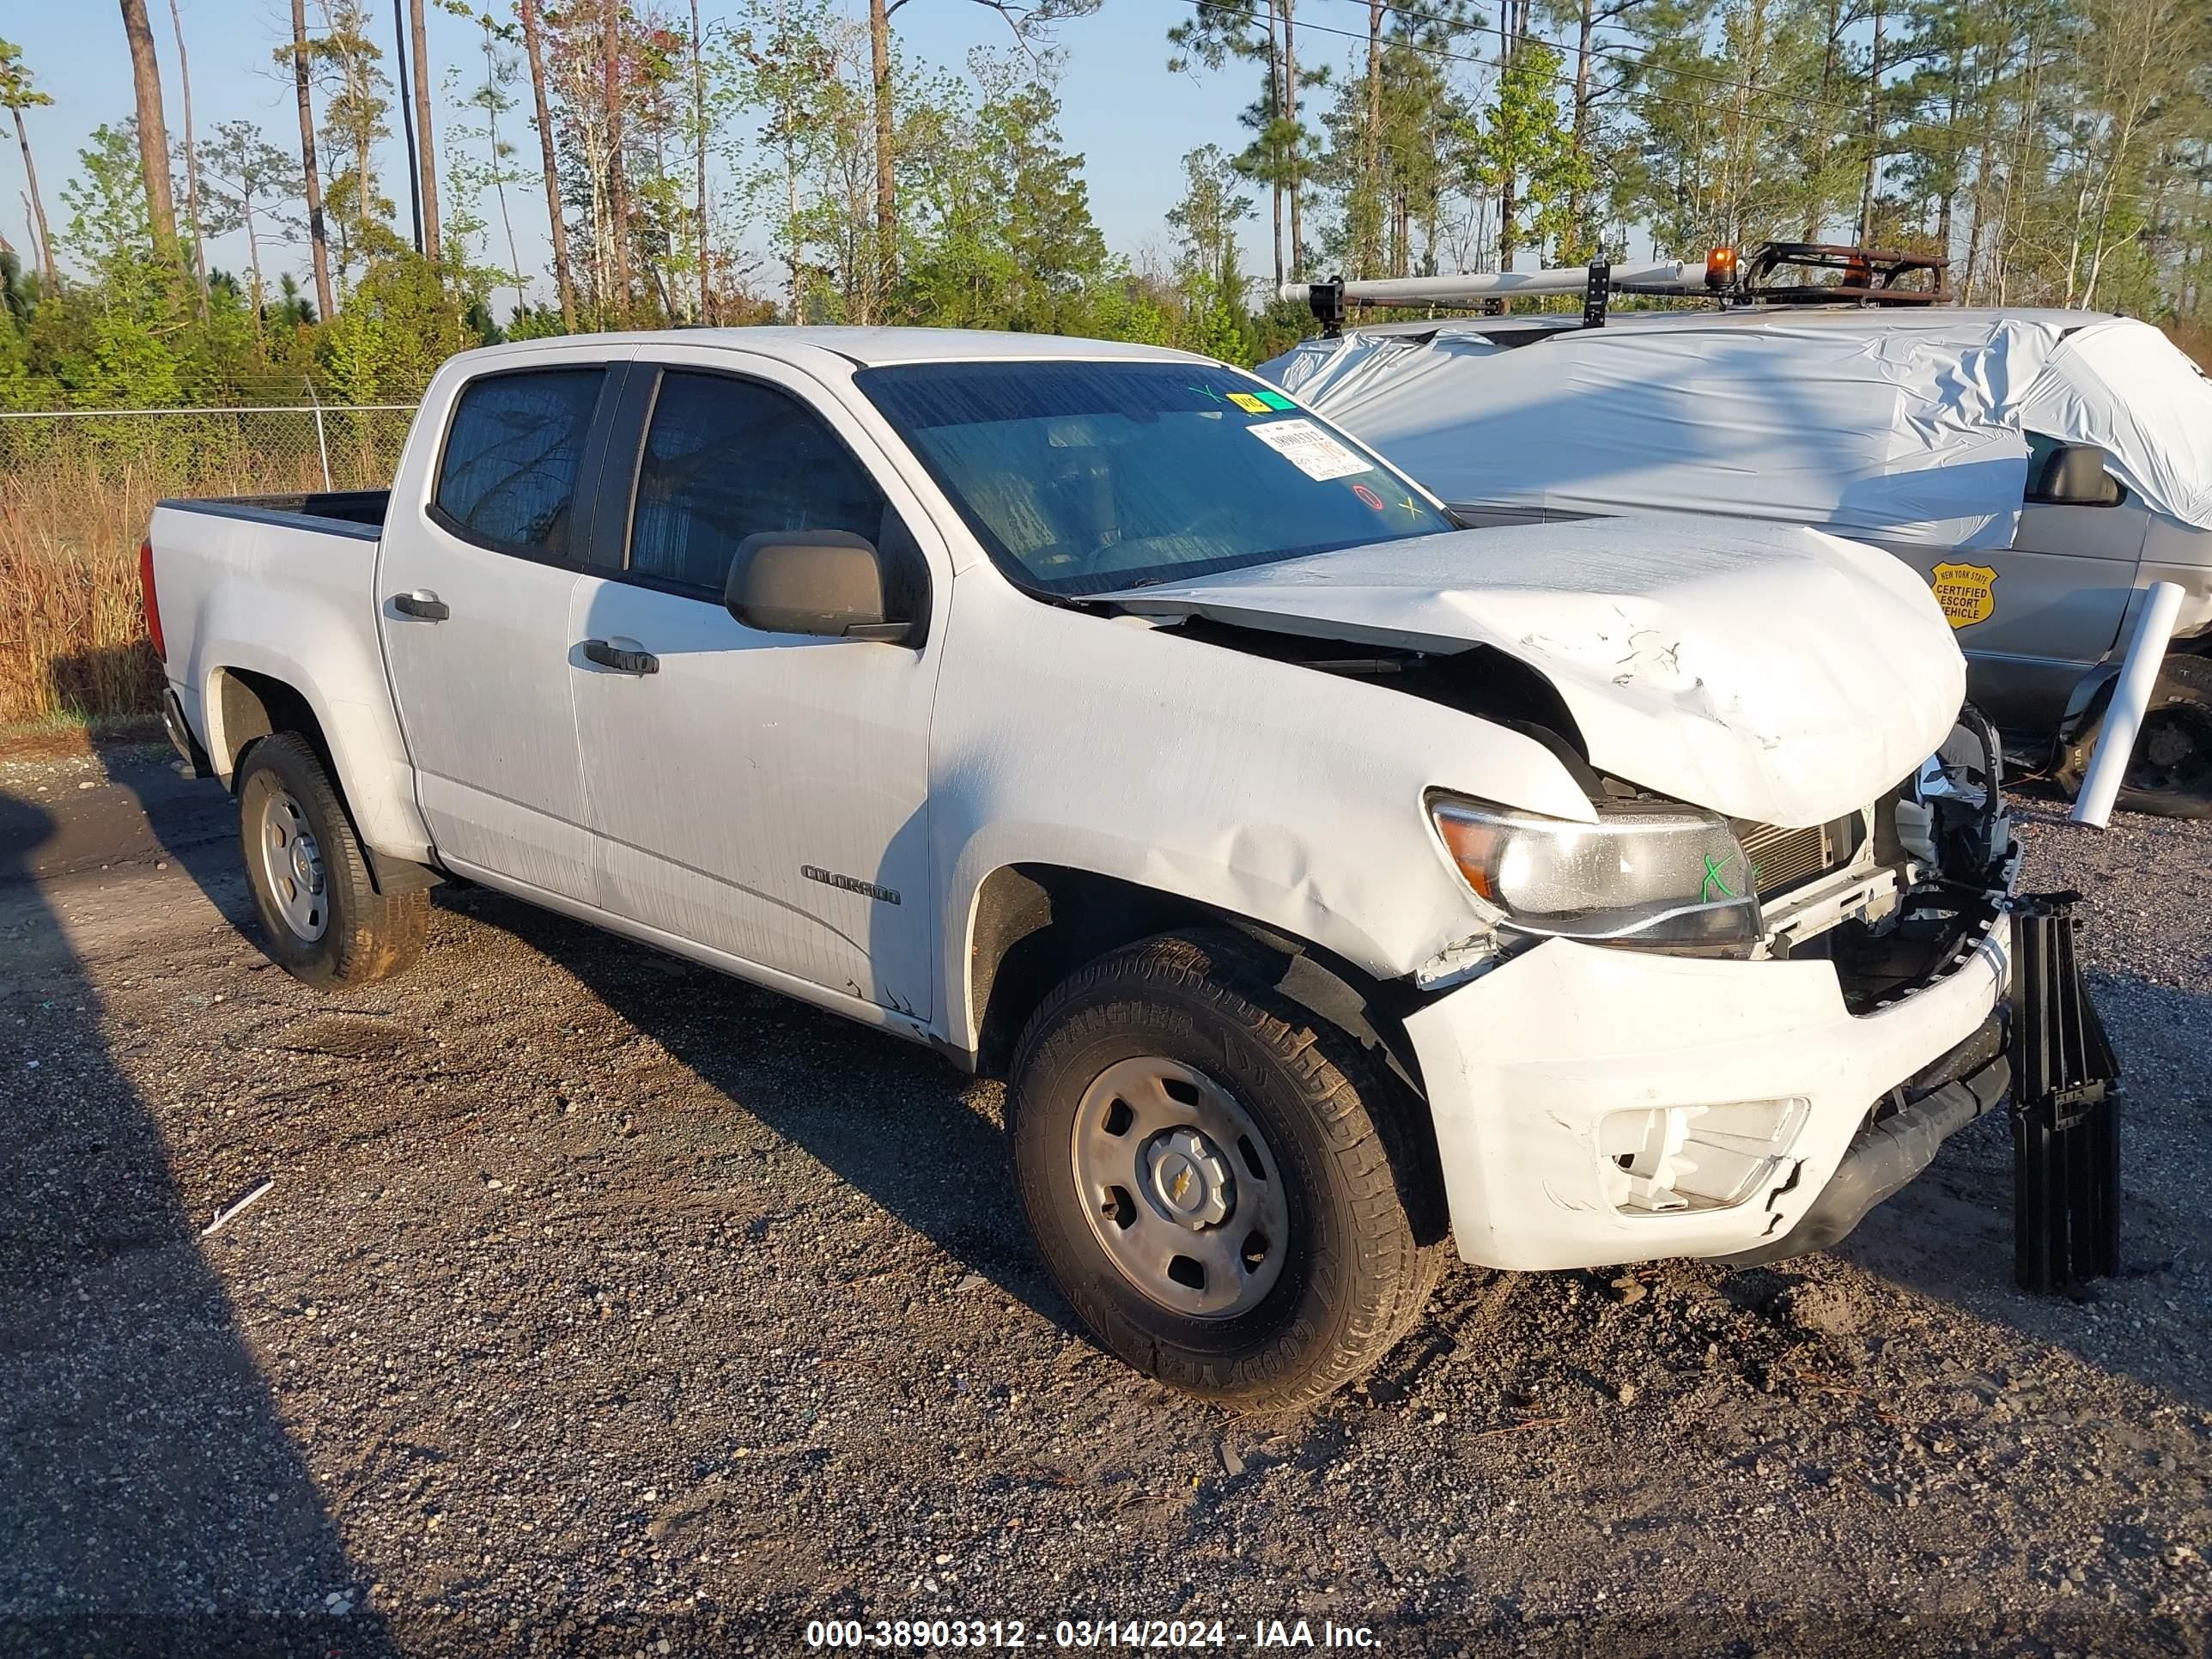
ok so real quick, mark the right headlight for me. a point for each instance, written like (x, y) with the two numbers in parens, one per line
(1645, 875)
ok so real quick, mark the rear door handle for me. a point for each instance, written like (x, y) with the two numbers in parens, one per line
(608, 655)
(422, 604)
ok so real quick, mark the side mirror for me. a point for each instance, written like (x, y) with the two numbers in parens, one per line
(2073, 475)
(824, 582)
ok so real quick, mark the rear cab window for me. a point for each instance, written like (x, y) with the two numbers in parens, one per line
(508, 476)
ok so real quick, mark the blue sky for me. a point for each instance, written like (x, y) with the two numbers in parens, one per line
(1122, 111)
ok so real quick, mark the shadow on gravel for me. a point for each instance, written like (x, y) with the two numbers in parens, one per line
(894, 1122)
(150, 1500)
(140, 812)
(888, 1118)
(193, 822)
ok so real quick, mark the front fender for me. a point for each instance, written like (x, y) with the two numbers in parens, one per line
(1280, 794)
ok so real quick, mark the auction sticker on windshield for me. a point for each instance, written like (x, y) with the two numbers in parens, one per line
(1309, 448)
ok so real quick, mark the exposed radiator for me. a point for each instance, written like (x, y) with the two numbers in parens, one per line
(1781, 859)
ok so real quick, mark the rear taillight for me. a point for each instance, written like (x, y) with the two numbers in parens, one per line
(153, 605)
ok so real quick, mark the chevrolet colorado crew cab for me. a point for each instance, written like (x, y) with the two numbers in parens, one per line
(1331, 884)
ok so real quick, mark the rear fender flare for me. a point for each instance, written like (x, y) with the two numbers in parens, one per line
(374, 777)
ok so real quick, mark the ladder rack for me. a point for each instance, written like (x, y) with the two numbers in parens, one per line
(1868, 277)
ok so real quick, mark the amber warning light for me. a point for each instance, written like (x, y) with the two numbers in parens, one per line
(1720, 267)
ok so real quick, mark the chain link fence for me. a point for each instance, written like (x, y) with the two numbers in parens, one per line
(231, 451)
(76, 489)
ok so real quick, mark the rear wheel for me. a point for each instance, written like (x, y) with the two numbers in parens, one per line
(2170, 774)
(1228, 1190)
(321, 916)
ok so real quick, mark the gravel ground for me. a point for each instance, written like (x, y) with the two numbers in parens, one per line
(593, 1303)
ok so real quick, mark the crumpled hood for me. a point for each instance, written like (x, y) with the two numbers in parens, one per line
(1771, 673)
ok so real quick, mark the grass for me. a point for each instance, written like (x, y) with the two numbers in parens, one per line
(72, 637)
(74, 500)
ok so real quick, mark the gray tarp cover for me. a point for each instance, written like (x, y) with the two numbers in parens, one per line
(1909, 428)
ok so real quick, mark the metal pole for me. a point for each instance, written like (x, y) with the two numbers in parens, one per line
(322, 446)
(2124, 715)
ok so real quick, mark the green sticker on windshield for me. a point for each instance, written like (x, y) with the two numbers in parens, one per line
(1274, 400)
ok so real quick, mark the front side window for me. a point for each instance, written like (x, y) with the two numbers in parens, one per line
(1081, 478)
(507, 478)
(2039, 451)
(727, 458)
(2062, 474)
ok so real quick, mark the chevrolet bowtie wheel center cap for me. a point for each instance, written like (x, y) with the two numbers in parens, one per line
(1179, 1187)
(1189, 1178)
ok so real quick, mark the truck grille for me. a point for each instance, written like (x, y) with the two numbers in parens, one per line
(1782, 859)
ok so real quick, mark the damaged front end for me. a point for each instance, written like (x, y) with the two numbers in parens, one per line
(1958, 865)
(1886, 893)
(1936, 863)
(1660, 1027)
(1749, 1076)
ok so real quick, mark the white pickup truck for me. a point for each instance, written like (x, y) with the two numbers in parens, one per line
(1325, 878)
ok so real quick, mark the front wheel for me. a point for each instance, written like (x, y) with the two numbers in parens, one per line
(1232, 1193)
(323, 919)
(2170, 774)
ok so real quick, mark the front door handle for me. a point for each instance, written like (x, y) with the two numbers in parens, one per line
(608, 655)
(422, 604)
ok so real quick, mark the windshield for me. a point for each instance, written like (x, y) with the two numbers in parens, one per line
(1079, 478)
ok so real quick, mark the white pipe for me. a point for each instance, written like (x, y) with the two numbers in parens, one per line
(1669, 276)
(2124, 715)
(322, 444)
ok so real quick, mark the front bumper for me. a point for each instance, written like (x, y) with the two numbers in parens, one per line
(1596, 1106)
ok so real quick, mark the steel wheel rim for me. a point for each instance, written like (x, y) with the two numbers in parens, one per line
(1179, 1187)
(292, 865)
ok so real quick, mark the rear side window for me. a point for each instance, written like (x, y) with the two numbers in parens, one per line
(726, 458)
(509, 476)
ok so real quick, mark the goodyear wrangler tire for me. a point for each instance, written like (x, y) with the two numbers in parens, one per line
(322, 918)
(1234, 1196)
